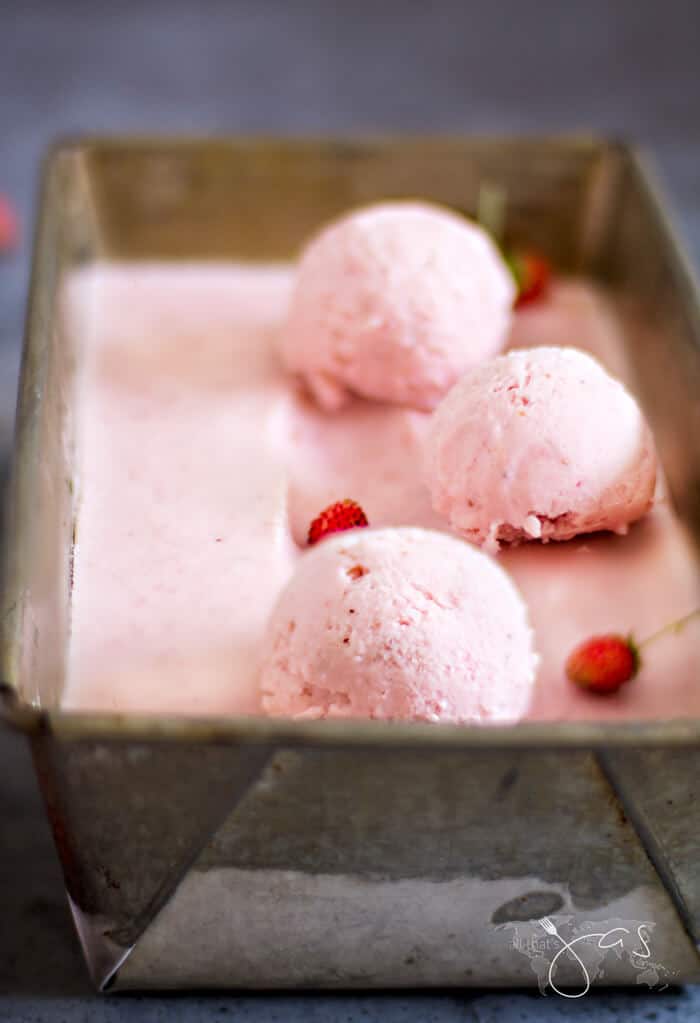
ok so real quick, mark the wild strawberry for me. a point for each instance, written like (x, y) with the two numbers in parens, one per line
(9, 230)
(336, 518)
(532, 274)
(603, 663)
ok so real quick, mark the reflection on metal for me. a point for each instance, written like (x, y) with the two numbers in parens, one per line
(258, 853)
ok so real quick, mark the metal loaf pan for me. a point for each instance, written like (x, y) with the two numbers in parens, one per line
(252, 853)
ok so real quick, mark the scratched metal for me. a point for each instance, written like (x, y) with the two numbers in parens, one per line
(252, 853)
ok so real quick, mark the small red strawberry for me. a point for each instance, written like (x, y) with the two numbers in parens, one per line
(336, 518)
(9, 229)
(532, 274)
(603, 663)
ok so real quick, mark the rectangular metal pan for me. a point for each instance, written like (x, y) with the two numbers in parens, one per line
(251, 853)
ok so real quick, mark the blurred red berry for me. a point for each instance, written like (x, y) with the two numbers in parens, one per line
(9, 226)
(532, 274)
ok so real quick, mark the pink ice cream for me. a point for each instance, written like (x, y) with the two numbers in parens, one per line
(394, 302)
(198, 460)
(182, 542)
(539, 444)
(399, 623)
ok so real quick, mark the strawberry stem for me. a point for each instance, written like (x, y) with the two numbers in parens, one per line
(491, 209)
(674, 627)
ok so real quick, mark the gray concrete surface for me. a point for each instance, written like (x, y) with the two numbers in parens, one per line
(614, 66)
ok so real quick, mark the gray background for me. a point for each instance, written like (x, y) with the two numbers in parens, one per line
(624, 68)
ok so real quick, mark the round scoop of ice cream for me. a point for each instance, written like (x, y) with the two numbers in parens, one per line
(539, 444)
(394, 302)
(399, 623)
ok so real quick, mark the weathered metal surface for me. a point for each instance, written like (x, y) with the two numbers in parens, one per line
(660, 790)
(123, 862)
(386, 868)
(365, 854)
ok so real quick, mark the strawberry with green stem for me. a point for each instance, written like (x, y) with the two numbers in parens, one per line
(532, 275)
(602, 664)
(531, 271)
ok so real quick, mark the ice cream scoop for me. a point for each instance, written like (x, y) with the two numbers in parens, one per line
(539, 444)
(398, 623)
(394, 302)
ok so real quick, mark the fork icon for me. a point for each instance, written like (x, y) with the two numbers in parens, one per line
(550, 927)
